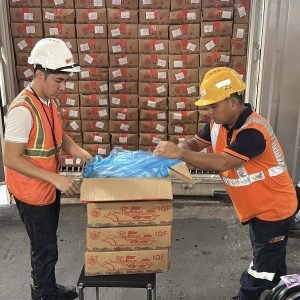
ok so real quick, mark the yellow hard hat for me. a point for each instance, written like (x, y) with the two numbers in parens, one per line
(218, 84)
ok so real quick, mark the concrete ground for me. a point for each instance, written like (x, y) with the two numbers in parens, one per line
(210, 249)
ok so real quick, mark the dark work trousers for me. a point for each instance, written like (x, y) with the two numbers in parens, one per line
(269, 241)
(41, 225)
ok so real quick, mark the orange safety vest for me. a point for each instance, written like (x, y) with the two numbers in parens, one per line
(261, 187)
(39, 150)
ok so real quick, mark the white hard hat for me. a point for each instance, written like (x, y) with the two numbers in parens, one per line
(53, 54)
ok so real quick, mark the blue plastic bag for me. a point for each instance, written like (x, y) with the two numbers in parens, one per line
(127, 164)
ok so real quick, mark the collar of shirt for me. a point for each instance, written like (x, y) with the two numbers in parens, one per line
(44, 101)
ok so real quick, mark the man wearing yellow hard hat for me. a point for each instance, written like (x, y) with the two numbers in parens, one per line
(251, 163)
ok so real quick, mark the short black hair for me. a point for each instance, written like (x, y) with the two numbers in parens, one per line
(47, 72)
(239, 96)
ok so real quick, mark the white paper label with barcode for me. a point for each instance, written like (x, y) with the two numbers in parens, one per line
(117, 73)
(74, 125)
(118, 86)
(162, 75)
(103, 101)
(121, 116)
(98, 138)
(177, 116)
(85, 74)
(191, 46)
(124, 127)
(116, 2)
(178, 129)
(88, 58)
(125, 14)
(161, 116)
(116, 49)
(93, 15)
(161, 89)
(31, 29)
(115, 32)
(99, 125)
(208, 28)
(242, 11)
(58, 2)
(191, 90)
(155, 140)
(225, 58)
(53, 31)
(150, 15)
(177, 32)
(103, 87)
(151, 103)
(28, 16)
(147, 2)
(240, 33)
(73, 113)
(116, 101)
(180, 105)
(99, 29)
(26, 83)
(160, 128)
(101, 151)
(191, 16)
(179, 76)
(49, 16)
(178, 63)
(226, 14)
(70, 85)
(69, 45)
(98, 2)
(70, 101)
(84, 47)
(123, 61)
(69, 161)
(102, 113)
(210, 45)
(159, 47)
(78, 161)
(123, 139)
(144, 31)
(195, 1)
(22, 44)
(161, 63)
(28, 73)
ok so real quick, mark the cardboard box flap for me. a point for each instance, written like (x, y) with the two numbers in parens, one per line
(181, 172)
(123, 189)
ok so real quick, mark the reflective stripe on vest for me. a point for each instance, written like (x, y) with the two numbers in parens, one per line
(260, 275)
(42, 153)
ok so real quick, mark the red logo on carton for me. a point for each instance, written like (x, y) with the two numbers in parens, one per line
(96, 212)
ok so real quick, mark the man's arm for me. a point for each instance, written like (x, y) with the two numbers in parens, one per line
(193, 144)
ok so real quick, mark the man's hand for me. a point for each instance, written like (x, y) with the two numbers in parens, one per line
(167, 149)
(184, 145)
(65, 185)
(85, 156)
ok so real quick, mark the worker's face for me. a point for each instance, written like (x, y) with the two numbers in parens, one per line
(222, 112)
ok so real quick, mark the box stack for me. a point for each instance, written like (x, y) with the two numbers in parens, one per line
(123, 73)
(183, 76)
(129, 228)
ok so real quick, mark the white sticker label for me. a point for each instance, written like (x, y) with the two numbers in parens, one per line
(161, 89)
(99, 125)
(125, 14)
(177, 116)
(155, 140)
(223, 83)
(85, 74)
(31, 29)
(191, 46)
(73, 113)
(103, 87)
(178, 63)
(178, 129)
(74, 125)
(242, 11)
(159, 47)
(208, 28)
(226, 14)
(69, 161)
(103, 101)
(49, 16)
(123, 61)
(161, 63)
(26, 83)
(147, 2)
(123, 139)
(84, 47)
(144, 31)
(70, 101)
(116, 49)
(191, 16)
(121, 116)
(195, 1)
(161, 116)
(118, 86)
(102, 113)
(69, 45)
(98, 29)
(117, 73)
(28, 73)
(191, 90)
(116, 2)
(98, 2)
(53, 31)
(150, 15)
(225, 58)
(115, 32)
(22, 44)
(124, 127)
(98, 138)
(93, 15)
(28, 16)
(160, 128)
(162, 75)
(210, 45)
(203, 93)
(151, 103)
(116, 101)
(57, 2)
(70, 85)
(176, 32)
(180, 105)
(88, 58)
(78, 161)
(101, 151)
(240, 33)
(179, 76)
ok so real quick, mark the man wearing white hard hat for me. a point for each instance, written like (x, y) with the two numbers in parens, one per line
(33, 140)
